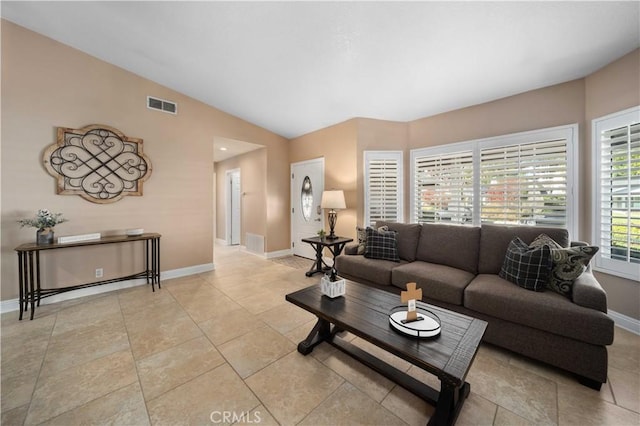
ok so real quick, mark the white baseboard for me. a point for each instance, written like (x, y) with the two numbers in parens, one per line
(623, 321)
(14, 304)
(279, 253)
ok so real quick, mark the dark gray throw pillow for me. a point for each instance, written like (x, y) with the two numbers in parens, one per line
(527, 267)
(381, 245)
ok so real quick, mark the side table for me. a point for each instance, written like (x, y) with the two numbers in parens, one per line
(335, 246)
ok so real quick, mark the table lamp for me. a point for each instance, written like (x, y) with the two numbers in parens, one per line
(333, 200)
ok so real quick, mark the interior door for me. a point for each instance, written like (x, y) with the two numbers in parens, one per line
(307, 218)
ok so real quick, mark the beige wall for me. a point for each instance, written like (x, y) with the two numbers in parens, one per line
(47, 85)
(374, 135)
(253, 187)
(613, 88)
(338, 145)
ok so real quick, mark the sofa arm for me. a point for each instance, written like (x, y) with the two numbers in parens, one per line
(588, 292)
(351, 248)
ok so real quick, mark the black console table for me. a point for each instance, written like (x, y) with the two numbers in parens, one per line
(29, 271)
(335, 246)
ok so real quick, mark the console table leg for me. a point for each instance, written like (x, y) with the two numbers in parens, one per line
(21, 283)
(31, 294)
(157, 270)
(320, 332)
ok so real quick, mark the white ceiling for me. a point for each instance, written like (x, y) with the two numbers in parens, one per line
(295, 67)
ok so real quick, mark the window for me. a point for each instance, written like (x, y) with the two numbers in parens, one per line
(524, 183)
(522, 179)
(383, 197)
(443, 188)
(617, 182)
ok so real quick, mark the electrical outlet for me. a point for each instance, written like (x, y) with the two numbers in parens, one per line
(99, 272)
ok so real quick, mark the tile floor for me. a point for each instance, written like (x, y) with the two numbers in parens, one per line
(220, 347)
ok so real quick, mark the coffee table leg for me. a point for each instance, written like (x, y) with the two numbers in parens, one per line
(449, 404)
(320, 332)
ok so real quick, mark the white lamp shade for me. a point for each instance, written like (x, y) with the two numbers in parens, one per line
(333, 199)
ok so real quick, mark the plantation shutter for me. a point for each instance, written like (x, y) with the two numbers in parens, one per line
(619, 181)
(383, 186)
(524, 184)
(444, 187)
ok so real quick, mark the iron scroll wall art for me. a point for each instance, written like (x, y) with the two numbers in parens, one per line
(97, 162)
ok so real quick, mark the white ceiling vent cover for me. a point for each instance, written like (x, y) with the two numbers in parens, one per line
(162, 105)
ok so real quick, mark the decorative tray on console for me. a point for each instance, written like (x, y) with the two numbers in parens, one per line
(427, 325)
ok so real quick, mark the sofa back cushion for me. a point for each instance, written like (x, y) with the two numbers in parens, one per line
(408, 236)
(450, 245)
(494, 240)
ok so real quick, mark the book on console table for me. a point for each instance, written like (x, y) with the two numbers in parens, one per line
(76, 238)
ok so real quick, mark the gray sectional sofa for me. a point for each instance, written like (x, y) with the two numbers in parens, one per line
(457, 267)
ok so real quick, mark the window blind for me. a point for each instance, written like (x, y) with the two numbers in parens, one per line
(619, 204)
(383, 187)
(443, 185)
(524, 184)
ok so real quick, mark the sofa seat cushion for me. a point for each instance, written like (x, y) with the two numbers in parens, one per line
(439, 282)
(374, 270)
(548, 311)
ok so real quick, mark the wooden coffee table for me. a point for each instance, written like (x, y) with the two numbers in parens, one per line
(364, 311)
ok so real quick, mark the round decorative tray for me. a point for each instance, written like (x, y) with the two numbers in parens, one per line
(427, 325)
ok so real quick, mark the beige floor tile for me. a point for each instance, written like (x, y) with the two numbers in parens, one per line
(166, 370)
(411, 409)
(222, 328)
(17, 390)
(285, 317)
(307, 384)
(581, 407)
(260, 416)
(159, 308)
(24, 345)
(261, 301)
(80, 385)
(160, 334)
(368, 381)
(626, 388)
(194, 403)
(526, 394)
(124, 406)
(84, 344)
(505, 417)
(92, 313)
(255, 350)
(350, 406)
(477, 411)
(15, 416)
(141, 299)
(207, 303)
(624, 354)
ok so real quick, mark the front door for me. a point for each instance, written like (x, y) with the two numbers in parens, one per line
(307, 218)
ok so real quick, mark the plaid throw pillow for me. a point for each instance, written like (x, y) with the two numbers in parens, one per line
(362, 237)
(568, 263)
(381, 245)
(527, 267)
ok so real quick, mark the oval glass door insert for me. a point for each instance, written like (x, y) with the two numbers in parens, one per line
(306, 198)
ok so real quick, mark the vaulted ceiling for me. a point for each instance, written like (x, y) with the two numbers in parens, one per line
(295, 67)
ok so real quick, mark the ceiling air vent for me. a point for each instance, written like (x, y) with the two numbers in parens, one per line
(162, 105)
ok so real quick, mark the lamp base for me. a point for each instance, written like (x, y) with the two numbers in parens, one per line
(333, 218)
